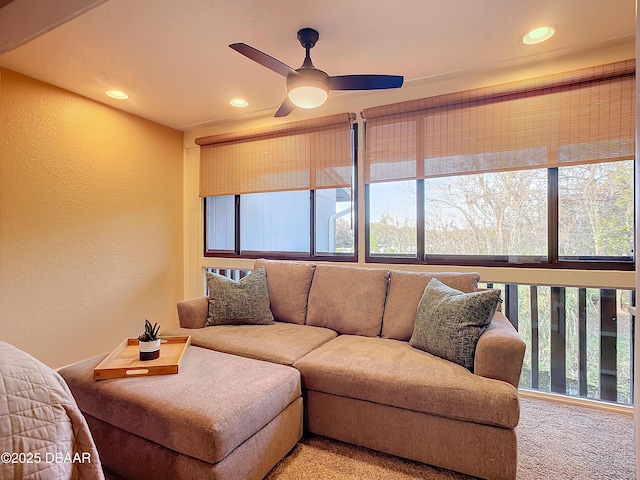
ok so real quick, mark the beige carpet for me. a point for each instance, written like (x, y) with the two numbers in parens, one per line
(555, 442)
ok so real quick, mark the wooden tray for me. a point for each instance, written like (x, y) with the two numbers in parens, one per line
(124, 361)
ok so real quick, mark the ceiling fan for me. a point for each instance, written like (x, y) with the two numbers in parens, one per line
(308, 87)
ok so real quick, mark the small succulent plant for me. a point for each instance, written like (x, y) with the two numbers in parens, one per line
(151, 332)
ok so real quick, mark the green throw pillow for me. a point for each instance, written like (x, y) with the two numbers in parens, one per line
(450, 322)
(239, 303)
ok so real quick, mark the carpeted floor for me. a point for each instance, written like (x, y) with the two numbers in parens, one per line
(555, 442)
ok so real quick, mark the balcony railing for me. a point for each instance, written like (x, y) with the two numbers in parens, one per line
(579, 340)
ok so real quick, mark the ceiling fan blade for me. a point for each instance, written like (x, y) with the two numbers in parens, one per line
(285, 109)
(263, 59)
(365, 82)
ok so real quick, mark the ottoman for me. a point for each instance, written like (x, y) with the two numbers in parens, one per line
(221, 417)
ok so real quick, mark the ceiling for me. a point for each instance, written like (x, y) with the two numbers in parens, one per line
(173, 60)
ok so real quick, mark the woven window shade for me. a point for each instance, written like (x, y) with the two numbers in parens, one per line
(576, 117)
(303, 155)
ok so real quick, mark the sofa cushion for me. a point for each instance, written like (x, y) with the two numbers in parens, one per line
(212, 406)
(238, 303)
(349, 300)
(390, 372)
(450, 322)
(405, 292)
(288, 284)
(282, 343)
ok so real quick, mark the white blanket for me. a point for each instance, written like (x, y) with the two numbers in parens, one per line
(43, 434)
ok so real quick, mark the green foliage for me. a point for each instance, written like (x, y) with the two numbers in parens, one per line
(393, 235)
(596, 209)
(151, 332)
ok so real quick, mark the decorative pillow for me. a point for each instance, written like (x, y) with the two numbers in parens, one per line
(406, 290)
(449, 322)
(239, 303)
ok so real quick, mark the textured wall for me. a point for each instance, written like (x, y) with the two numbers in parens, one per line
(90, 222)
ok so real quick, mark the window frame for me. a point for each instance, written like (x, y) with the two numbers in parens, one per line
(237, 252)
(552, 261)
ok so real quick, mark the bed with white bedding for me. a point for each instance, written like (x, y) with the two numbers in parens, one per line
(43, 434)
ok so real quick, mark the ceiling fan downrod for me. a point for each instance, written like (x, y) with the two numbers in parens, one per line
(308, 38)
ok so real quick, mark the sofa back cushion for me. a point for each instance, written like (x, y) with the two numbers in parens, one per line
(405, 292)
(288, 284)
(349, 300)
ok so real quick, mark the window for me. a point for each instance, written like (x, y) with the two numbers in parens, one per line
(285, 191)
(501, 214)
(275, 222)
(596, 211)
(279, 223)
(532, 173)
(221, 223)
(334, 222)
(392, 219)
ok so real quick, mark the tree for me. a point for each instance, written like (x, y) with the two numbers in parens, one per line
(393, 234)
(505, 213)
(344, 234)
(500, 213)
(596, 209)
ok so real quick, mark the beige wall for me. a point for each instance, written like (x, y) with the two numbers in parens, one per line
(90, 222)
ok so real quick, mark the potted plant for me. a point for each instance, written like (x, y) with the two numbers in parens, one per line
(149, 341)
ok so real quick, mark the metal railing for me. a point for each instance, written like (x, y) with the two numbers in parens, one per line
(579, 340)
(231, 273)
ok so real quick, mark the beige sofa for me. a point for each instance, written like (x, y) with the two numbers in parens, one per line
(347, 330)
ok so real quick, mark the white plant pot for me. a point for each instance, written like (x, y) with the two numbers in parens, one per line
(149, 350)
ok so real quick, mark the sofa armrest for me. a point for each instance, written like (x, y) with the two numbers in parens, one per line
(192, 313)
(500, 351)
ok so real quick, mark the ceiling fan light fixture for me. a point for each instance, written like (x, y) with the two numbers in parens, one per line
(308, 89)
(308, 96)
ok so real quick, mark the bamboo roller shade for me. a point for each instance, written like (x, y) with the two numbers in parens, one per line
(309, 154)
(570, 118)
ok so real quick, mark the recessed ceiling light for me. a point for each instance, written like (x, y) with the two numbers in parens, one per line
(538, 35)
(117, 94)
(239, 102)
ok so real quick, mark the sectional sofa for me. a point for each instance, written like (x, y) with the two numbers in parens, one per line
(349, 331)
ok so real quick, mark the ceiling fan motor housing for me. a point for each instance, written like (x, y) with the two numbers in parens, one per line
(308, 37)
